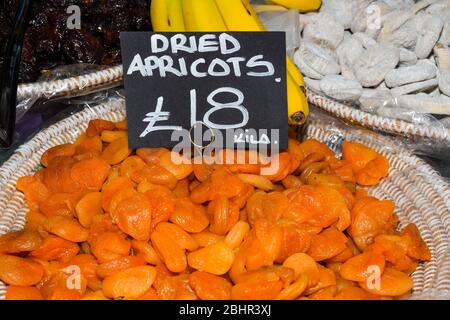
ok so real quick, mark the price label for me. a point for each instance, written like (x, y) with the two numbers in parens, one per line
(231, 83)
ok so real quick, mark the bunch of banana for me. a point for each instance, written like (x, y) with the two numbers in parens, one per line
(301, 5)
(226, 15)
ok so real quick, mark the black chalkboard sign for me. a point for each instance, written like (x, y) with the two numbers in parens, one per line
(226, 82)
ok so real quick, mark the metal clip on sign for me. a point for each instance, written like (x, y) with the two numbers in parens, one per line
(9, 75)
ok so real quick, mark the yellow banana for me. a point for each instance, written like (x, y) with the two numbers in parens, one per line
(240, 16)
(302, 5)
(259, 8)
(175, 14)
(294, 72)
(167, 16)
(158, 14)
(202, 15)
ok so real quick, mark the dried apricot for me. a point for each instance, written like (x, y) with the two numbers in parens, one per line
(56, 248)
(222, 214)
(130, 166)
(133, 216)
(327, 244)
(371, 217)
(67, 228)
(237, 234)
(256, 291)
(210, 287)
(109, 136)
(23, 293)
(109, 246)
(221, 183)
(18, 271)
(294, 290)
(178, 165)
(157, 175)
(67, 150)
(173, 255)
(206, 238)
(129, 283)
(112, 267)
(90, 174)
(20, 241)
(88, 207)
(96, 127)
(302, 263)
(189, 216)
(392, 283)
(146, 251)
(360, 267)
(62, 204)
(216, 258)
(111, 188)
(417, 248)
(116, 151)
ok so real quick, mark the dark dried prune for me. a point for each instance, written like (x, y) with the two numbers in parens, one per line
(49, 42)
(81, 46)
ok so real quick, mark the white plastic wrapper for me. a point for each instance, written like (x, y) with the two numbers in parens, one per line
(285, 21)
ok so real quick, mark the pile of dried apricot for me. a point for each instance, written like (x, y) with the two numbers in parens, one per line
(107, 222)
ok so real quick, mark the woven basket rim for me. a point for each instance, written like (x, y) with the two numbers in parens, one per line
(410, 178)
(376, 122)
(111, 76)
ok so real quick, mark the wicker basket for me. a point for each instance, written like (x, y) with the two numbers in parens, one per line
(375, 122)
(73, 86)
(421, 195)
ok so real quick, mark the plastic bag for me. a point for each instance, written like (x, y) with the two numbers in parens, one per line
(285, 21)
